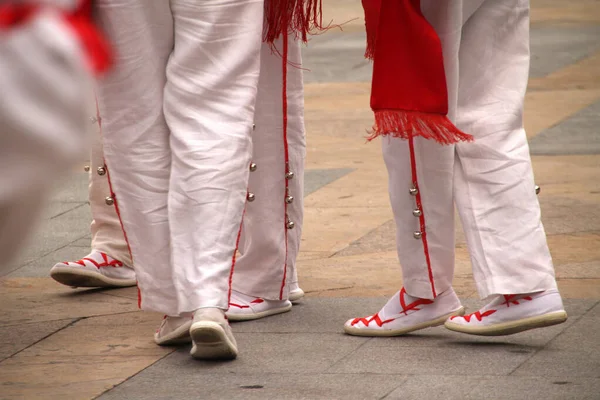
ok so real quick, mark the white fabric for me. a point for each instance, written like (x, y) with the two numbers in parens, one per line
(486, 55)
(177, 113)
(44, 85)
(501, 310)
(107, 234)
(212, 337)
(174, 330)
(98, 263)
(394, 317)
(243, 307)
(261, 269)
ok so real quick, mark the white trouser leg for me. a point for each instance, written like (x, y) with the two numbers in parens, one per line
(427, 260)
(136, 139)
(181, 174)
(107, 233)
(261, 269)
(494, 186)
(212, 79)
(43, 123)
(490, 178)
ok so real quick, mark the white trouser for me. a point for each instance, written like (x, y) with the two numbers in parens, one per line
(486, 56)
(268, 248)
(177, 113)
(107, 233)
(43, 100)
(260, 270)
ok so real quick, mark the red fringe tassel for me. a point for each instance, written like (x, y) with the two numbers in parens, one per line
(301, 17)
(372, 10)
(404, 124)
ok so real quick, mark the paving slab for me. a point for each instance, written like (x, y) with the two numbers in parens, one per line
(577, 135)
(315, 179)
(27, 300)
(555, 47)
(15, 338)
(257, 386)
(40, 267)
(273, 353)
(498, 388)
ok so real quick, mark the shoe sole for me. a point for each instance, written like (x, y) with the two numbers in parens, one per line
(509, 328)
(249, 317)
(68, 277)
(296, 295)
(180, 335)
(211, 342)
(350, 330)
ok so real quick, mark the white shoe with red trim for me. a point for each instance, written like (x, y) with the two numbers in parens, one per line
(403, 314)
(212, 337)
(97, 269)
(174, 330)
(508, 314)
(245, 308)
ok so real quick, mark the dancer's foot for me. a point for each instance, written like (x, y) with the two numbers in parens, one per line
(97, 269)
(508, 314)
(174, 330)
(245, 308)
(403, 314)
(212, 337)
(296, 293)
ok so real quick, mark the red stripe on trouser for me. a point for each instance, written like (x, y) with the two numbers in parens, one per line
(237, 244)
(422, 227)
(286, 153)
(115, 202)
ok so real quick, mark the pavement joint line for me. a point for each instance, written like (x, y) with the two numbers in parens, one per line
(330, 290)
(174, 349)
(47, 254)
(37, 322)
(68, 211)
(73, 322)
(392, 391)
(76, 319)
(369, 339)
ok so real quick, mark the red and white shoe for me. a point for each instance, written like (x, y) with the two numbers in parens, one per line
(508, 314)
(403, 314)
(174, 330)
(97, 269)
(245, 308)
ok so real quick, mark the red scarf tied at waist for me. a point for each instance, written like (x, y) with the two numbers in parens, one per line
(409, 95)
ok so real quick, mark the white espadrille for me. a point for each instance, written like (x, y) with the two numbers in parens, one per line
(97, 269)
(508, 314)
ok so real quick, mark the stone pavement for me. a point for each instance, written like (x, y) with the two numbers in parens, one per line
(60, 343)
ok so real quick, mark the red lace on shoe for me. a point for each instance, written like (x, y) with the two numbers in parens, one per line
(412, 306)
(255, 301)
(478, 315)
(106, 263)
(510, 299)
(405, 309)
(238, 305)
(367, 321)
